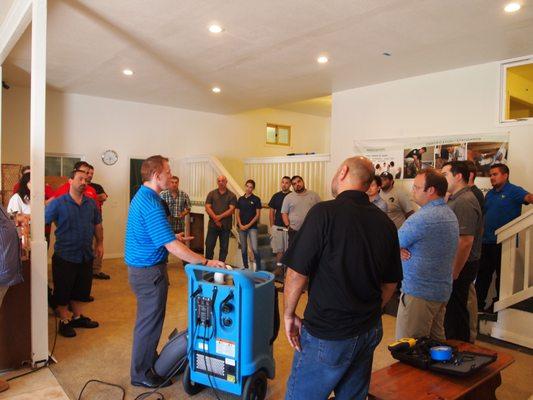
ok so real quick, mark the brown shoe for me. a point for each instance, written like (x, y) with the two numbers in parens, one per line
(3, 385)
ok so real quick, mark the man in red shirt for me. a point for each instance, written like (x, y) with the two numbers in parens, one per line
(89, 191)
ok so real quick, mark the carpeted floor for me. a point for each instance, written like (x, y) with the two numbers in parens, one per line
(104, 353)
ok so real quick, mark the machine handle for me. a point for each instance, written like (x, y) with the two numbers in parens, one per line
(240, 275)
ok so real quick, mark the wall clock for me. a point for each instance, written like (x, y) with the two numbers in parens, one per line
(109, 157)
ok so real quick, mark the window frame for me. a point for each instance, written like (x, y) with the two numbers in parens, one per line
(62, 156)
(504, 66)
(276, 127)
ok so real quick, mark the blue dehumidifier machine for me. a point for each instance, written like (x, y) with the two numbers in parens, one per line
(231, 328)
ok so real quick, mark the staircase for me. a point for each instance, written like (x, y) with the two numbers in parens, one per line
(514, 321)
(268, 259)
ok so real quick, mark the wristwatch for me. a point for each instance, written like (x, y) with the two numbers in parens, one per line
(205, 262)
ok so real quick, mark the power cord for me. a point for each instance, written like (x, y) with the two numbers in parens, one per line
(145, 395)
(103, 383)
(211, 383)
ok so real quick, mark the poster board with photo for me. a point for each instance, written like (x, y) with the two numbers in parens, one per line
(404, 157)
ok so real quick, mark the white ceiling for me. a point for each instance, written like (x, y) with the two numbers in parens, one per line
(266, 55)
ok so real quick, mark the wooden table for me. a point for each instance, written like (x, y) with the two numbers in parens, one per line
(403, 382)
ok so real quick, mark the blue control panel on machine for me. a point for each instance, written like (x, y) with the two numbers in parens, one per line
(231, 324)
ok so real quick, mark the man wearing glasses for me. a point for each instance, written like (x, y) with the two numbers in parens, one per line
(428, 242)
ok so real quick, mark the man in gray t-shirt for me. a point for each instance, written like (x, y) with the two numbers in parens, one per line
(220, 206)
(399, 205)
(296, 205)
(468, 212)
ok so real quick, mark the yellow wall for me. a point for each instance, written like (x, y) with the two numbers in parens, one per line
(521, 89)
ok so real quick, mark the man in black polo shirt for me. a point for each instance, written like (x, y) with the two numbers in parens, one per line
(278, 232)
(348, 251)
(248, 213)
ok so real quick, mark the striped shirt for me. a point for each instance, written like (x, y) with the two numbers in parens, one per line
(10, 265)
(176, 206)
(147, 230)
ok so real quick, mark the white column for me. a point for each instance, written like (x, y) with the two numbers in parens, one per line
(39, 268)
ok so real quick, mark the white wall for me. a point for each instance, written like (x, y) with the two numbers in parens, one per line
(452, 102)
(85, 125)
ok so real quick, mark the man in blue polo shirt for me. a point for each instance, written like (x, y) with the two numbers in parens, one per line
(428, 241)
(503, 203)
(149, 239)
(77, 221)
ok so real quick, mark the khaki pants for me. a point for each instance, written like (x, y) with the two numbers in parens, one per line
(3, 291)
(418, 317)
(472, 310)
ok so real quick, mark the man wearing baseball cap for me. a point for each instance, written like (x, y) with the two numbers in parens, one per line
(399, 206)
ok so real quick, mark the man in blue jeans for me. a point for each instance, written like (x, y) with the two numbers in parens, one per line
(248, 214)
(347, 250)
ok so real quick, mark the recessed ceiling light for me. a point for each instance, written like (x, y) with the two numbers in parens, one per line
(322, 59)
(215, 28)
(127, 72)
(216, 89)
(512, 7)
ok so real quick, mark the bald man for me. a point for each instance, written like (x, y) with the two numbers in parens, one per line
(220, 206)
(347, 250)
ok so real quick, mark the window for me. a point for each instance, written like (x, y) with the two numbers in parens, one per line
(517, 91)
(278, 134)
(57, 165)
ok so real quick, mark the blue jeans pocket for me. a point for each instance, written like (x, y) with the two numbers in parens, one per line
(335, 353)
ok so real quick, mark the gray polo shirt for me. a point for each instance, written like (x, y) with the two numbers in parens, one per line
(398, 204)
(297, 205)
(466, 208)
(220, 203)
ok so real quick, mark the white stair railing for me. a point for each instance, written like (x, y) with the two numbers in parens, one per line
(198, 176)
(268, 171)
(516, 282)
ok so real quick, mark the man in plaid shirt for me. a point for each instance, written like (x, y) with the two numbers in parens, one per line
(178, 203)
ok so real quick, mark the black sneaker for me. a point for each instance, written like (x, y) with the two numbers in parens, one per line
(101, 275)
(83, 322)
(66, 330)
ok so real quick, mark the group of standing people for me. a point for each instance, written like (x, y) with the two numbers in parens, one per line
(75, 209)
(154, 229)
(351, 257)
(350, 253)
(287, 213)
(449, 244)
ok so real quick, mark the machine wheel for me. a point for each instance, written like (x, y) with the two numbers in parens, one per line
(190, 387)
(255, 386)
